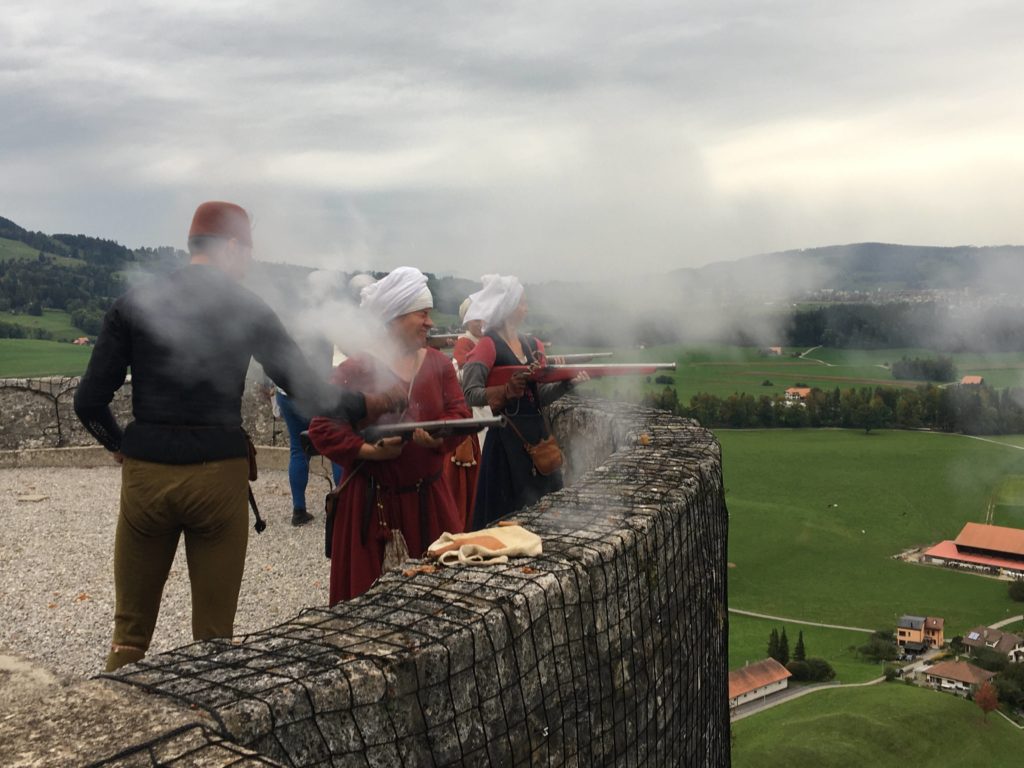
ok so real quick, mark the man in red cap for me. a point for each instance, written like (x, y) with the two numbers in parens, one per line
(188, 339)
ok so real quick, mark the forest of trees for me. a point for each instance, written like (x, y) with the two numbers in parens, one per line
(975, 410)
(925, 369)
(78, 274)
(891, 326)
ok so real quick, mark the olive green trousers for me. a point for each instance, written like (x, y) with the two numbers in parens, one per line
(159, 502)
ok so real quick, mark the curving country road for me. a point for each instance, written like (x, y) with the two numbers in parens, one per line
(798, 621)
(752, 708)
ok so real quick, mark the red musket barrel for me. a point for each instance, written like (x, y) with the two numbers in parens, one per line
(500, 374)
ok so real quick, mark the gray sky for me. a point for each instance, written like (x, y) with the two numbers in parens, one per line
(547, 139)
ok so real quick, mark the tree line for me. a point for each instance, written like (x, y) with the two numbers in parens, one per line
(925, 369)
(84, 291)
(974, 410)
(803, 668)
(923, 324)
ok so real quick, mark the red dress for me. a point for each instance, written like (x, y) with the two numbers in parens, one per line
(403, 493)
(462, 466)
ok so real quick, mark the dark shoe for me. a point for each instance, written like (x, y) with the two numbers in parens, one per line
(300, 517)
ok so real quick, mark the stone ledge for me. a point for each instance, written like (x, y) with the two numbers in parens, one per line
(102, 722)
(268, 457)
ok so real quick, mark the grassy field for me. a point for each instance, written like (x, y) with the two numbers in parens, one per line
(882, 726)
(817, 515)
(15, 250)
(748, 642)
(723, 370)
(56, 321)
(27, 357)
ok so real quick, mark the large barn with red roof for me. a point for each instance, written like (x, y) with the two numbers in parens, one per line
(756, 681)
(989, 548)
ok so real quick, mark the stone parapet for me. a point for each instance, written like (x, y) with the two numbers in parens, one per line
(39, 413)
(610, 648)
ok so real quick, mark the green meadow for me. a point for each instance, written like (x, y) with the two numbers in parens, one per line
(724, 370)
(748, 643)
(56, 321)
(816, 517)
(15, 250)
(882, 726)
(28, 357)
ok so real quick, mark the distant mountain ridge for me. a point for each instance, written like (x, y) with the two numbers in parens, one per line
(875, 266)
(867, 266)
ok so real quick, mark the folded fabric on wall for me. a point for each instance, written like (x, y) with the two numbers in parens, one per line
(490, 546)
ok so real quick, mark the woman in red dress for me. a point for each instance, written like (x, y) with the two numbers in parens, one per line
(463, 465)
(392, 486)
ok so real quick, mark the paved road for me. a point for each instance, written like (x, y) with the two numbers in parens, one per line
(799, 621)
(753, 707)
(803, 356)
(1004, 622)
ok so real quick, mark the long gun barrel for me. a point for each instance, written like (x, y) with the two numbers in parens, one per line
(500, 374)
(404, 430)
(584, 357)
(441, 428)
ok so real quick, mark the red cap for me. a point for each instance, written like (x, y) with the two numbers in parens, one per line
(219, 219)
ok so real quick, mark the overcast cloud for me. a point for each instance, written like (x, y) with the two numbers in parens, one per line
(546, 139)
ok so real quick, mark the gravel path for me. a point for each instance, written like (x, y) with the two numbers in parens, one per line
(56, 566)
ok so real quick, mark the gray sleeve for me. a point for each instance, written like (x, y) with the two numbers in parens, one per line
(474, 383)
(551, 392)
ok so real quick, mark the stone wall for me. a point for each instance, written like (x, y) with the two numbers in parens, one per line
(39, 413)
(608, 649)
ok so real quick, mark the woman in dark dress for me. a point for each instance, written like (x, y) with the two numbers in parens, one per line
(508, 480)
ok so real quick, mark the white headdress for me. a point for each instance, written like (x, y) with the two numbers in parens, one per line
(496, 300)
(358, 282)
(398, 293)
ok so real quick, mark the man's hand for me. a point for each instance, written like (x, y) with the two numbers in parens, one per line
(117, 456)
(423, 439)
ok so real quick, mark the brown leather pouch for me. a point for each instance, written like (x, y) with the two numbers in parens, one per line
(546, 456)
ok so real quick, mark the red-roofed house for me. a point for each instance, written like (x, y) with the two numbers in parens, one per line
(797, 395)
(755, 681)
(933, 631)
(972, 381)
(991, 548)
(957, 677)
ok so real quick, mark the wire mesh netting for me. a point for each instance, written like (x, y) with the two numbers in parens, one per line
(610, 648)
